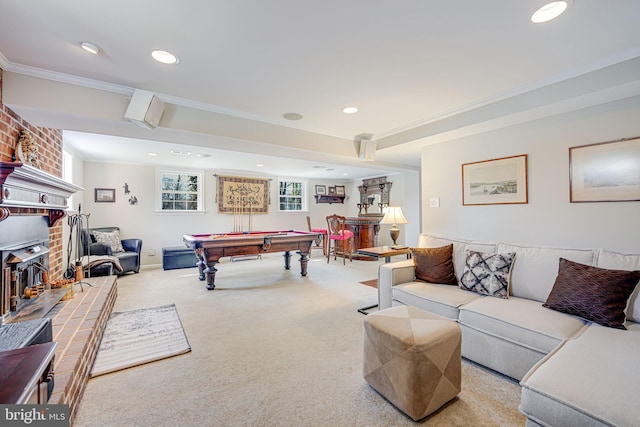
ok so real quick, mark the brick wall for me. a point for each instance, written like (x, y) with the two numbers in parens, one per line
(49, 142)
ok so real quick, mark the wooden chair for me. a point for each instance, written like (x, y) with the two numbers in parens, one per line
(336, 227)
(321, 231)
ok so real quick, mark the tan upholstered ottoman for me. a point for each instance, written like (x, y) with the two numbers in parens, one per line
(412, 358)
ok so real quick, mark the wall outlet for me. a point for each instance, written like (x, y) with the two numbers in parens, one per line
(151, 252)
(434, 202)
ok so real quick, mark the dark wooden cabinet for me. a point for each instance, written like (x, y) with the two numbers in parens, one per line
(365, 230)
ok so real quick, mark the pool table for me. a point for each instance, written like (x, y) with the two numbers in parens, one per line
(209, 248)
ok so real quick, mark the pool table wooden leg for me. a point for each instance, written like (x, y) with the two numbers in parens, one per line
(287, 260)
(304, 260)
(201, 263)
(210, 272)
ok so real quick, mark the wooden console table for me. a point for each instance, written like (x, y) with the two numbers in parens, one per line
(365, 233)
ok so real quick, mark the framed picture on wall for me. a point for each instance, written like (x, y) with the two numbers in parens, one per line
(332, 191)
(105, 195)
(340, 190)
(605, 172)
(321, 190)
(495, 182)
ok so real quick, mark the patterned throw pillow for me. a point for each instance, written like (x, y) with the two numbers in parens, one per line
(488, 274)
(593, 293)
(434, 265)
(111, 239)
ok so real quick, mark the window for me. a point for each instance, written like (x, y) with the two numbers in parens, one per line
(292, 195)
(180, 191)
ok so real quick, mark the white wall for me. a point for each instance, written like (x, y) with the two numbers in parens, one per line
(548, 218)
(160, 230)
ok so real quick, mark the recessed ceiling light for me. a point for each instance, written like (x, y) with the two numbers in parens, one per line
(549, 11)
(203, 155)
(152, 154)
(165, 57)
(90, 47)
(181, 153)
(350, 110)
(344, 173)
(292, 116)
(259, 165)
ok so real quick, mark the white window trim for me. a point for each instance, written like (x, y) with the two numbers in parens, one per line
(304, 196)
(201, 192)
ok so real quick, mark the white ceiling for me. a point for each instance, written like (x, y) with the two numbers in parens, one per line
(421, 72)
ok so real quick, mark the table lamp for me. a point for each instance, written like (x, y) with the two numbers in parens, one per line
(394, 216)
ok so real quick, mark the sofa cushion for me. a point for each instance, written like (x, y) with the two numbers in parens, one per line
(618, 261)
(459, 249)
(435, 265)
(442, 300)
(599, 386)
(593, 293)
(427, 241)
(487, 273)
(521, 321)
(536, 268)
(110, 238)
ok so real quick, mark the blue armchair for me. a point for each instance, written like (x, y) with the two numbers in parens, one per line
(129, 258)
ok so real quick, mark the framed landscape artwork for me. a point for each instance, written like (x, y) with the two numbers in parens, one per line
(605, 172)
(340, 190)
(321, 190)
(495, 182)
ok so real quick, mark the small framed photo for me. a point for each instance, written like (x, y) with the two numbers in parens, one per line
(105, 195)
(321, 190)
(340, 190)
(332, 191)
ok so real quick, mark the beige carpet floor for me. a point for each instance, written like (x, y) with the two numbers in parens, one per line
(271, 348)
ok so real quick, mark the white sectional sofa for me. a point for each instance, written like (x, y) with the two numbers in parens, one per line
(573, 372)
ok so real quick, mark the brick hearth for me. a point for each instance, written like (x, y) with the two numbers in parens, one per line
(78, 325)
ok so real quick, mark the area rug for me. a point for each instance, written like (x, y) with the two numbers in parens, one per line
(373, 283)
(135, 337)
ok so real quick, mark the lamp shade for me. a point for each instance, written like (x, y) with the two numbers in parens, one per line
(394, 215)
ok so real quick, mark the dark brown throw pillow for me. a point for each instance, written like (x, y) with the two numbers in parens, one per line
(593, 293)
(434, 265)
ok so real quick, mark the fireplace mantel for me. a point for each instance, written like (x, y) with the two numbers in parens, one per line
(23, 186)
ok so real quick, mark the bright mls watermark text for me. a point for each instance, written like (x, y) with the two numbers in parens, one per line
(34, 415)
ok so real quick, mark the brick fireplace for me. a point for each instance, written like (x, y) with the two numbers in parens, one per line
(78, 324)
(49, 142)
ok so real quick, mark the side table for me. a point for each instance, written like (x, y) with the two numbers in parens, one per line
(385, 252)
